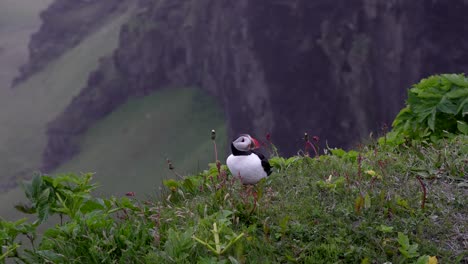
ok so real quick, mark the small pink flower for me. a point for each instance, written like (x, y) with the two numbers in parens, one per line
(130, 194)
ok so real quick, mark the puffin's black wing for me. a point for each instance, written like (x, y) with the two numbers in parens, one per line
(265, 164)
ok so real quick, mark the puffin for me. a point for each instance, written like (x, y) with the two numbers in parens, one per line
(247, 163)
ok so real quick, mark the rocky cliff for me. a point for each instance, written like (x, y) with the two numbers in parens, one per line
(64, 24)
(337, 69)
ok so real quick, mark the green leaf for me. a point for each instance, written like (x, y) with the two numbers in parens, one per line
(447, 106)
(367, 201)
(431, 120)
(36, 187)
(403, 240)
(44, 197)
(233, 260)
(171, 183)
(457, 79)
(52, 233)
(462, 127)
(385, 229)
(24, 208)
(457, 93)
(127, 203)
(352, 155)
(51, 256)
(423, 260)
(291, 160)
(412, 251)
(188, 185)
(463, 106)
(90, 206)
(402, 116)
(43, 212)
(277, 162)
(338, 152)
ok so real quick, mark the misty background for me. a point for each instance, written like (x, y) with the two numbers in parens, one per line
(116, 87)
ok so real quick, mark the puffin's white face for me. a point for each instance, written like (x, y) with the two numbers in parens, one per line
(245, 143)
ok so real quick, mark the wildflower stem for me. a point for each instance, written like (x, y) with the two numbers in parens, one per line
(423, 202)
(216, 238)
(215, 150)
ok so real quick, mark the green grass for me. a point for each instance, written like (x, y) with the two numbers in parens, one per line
(28, 108)
(363, 206)
(128, 149)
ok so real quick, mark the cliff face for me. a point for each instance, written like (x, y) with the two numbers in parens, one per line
(64, 24)
(336, 70)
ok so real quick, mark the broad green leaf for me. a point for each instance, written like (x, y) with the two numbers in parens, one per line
(447, 106)
(43, 212)
(462, 127)
(36, 186)
(127, 203)
(90, 206)
(427, 82)
(423, 260)
(352, 155)
(412, 251)
(402, 116)
(44, 197)
(338, 152)
(403, 240)
(463, 106)
(52, 233)
(291, 160)
(457, 93)
(457, 79)
(277, 162)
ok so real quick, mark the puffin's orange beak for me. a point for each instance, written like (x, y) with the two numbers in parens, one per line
(255, 144)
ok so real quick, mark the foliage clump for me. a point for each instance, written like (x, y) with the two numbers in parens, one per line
(437, 107)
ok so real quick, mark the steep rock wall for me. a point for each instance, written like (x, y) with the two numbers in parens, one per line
(64, 24)
(335, 69)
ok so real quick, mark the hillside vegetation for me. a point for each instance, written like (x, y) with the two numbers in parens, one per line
(385, 201)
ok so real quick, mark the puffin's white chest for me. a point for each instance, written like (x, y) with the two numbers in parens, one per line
(248, 168)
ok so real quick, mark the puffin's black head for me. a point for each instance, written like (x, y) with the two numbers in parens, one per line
(245, 143)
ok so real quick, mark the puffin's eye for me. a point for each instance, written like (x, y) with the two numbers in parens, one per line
(243, 140)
